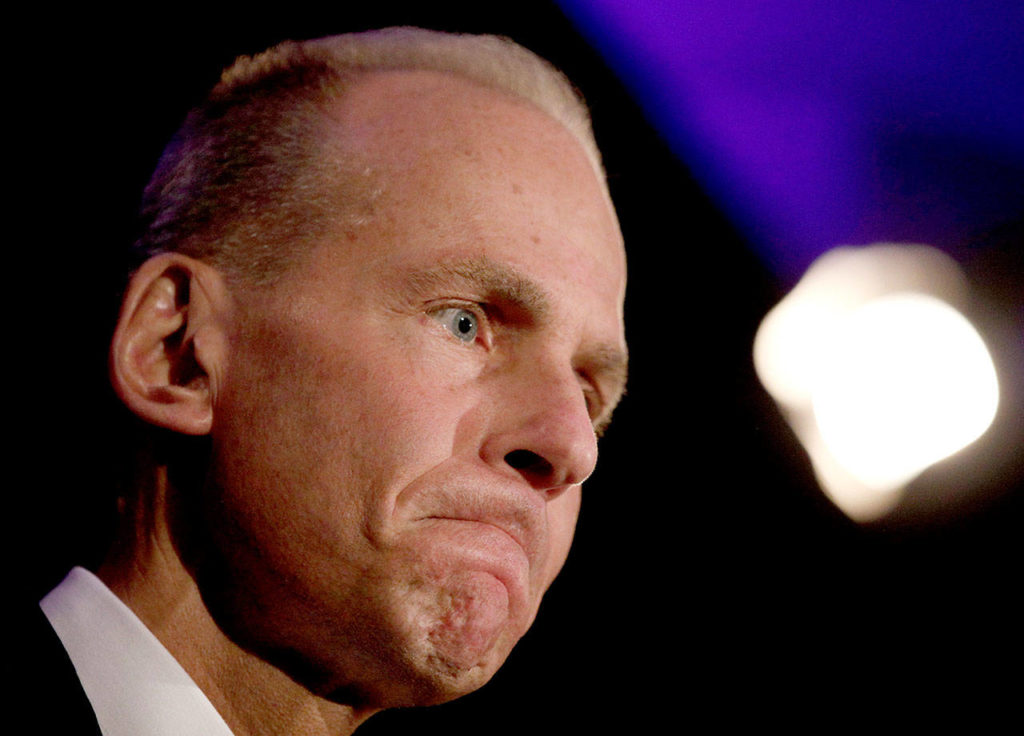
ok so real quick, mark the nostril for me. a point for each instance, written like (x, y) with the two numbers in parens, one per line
(529, 464)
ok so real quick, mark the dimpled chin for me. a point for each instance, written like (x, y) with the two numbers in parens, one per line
(470, 615)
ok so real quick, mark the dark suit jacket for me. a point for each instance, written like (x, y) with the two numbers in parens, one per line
(42, 683)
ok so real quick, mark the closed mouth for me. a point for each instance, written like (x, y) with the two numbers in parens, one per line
(514, 533)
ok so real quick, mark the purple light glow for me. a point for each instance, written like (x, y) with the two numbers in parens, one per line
(814, 126)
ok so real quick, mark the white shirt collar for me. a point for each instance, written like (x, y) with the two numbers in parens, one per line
(135, 686)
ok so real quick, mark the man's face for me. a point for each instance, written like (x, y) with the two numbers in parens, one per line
(404, 420)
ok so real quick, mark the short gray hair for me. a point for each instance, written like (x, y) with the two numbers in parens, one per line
(243, 185)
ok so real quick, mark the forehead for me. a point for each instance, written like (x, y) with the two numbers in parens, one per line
(443, 152)
(430, 110)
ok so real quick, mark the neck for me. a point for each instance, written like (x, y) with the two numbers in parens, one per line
(254, 697)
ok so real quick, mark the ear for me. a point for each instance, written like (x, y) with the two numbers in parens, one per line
(169, 346)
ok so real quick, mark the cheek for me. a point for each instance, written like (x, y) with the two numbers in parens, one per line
(312, 460)
(278, 447)
(562, 515)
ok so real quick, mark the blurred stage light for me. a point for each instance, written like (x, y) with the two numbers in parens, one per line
(876, 370)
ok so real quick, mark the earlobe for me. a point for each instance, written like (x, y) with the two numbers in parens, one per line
(167, 343)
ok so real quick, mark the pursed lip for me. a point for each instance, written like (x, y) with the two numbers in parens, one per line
(514, 531)
(520, 514)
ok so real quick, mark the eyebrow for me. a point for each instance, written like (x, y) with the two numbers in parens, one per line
(496, 280)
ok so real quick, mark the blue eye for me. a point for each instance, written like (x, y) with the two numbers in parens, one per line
(460, 322)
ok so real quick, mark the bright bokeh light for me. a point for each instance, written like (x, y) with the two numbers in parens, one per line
(877, 372)
(904, 382)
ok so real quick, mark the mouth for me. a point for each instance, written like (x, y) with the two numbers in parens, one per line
(478, 523)
(513, 531)
(482, 512)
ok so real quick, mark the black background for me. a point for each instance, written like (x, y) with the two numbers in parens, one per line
(710, 579)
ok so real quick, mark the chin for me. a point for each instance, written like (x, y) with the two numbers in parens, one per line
(445, 679)
(457, 637)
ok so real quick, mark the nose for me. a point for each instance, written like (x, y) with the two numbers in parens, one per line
(542, 431)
